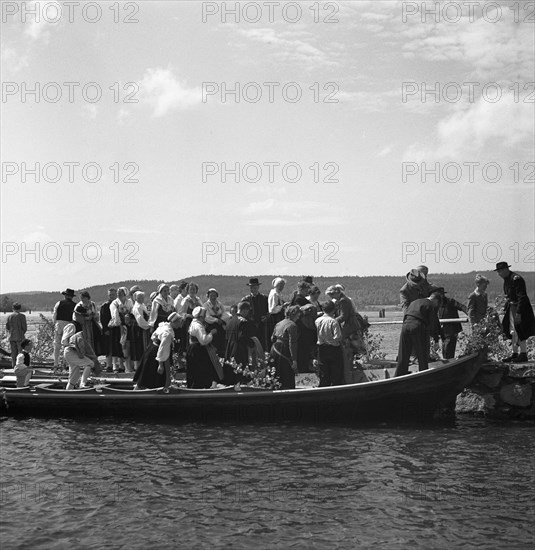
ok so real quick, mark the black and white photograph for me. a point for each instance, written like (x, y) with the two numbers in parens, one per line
(267, 274)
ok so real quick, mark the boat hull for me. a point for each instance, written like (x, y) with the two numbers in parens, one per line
(415, 396)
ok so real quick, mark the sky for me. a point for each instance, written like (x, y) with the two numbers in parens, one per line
(363, 138)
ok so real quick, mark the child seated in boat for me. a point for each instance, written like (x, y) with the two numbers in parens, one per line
(22, 369)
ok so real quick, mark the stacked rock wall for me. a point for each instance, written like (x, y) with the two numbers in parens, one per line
(500, 390)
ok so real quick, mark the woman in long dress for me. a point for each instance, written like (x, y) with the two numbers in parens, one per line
(88, 317)
(216, 318)
(203, 369)
(284, 348)
(118, 309)
(154, 370)
(162, 306)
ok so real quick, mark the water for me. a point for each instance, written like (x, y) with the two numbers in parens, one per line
(120, 484)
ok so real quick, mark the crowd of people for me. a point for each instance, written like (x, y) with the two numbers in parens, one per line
(140, 335)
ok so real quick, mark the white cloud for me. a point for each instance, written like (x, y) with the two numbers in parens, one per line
(384, 152)
(165, 93)
(255, 207)
(40, 25)
(13, 62)
(90, 111)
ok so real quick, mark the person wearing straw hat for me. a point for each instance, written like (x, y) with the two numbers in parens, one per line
(259, 310)
(62, 317)
(519, 321)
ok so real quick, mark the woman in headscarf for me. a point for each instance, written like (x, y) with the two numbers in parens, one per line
(188, 304)
(79, 355)
(284, 348)
(216, 318)
(162, 306)
(141, 316)
(275, 304)
(118, 309)
(203, 369)
(313, 297)
(86, 314)
(154, 370)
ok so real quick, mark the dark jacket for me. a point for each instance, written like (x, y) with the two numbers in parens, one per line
(514, 288)
(449, 309)
(422, 311)
(411, 291)
(477, 307)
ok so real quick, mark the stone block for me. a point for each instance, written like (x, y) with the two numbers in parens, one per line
(519, 395)
(490, 379)
(470, 402)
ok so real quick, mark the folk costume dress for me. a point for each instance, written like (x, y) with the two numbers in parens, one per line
(160, 310)
(141, 316)
(160, 350)
(89, 319)
(201, 364)
(214, 312)
(239, 332)
(275, 308)
(284, 352)
(118, 309)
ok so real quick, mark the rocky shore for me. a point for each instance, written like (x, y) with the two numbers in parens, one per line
(500, 390)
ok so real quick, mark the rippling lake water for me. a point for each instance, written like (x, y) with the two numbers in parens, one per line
(123, 484)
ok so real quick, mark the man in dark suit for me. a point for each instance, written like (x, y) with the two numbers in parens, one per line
(518, 322)
(105, 318)
(259, 311)
(419, 324)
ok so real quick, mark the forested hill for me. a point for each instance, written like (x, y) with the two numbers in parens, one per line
(366, 291)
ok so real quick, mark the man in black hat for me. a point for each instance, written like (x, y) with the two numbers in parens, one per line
(449, 309)
(518, 322)
(259, 311)
(62, 316)
(420, 323)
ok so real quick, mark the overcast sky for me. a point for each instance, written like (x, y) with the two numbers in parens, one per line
(360, 129)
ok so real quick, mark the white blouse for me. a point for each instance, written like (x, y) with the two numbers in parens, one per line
(165, 334)
(117, 307)
(275, 301)
(138, 310)
(214, 312)
(197, 329)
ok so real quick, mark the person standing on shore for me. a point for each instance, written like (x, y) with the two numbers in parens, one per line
(17, 327)
(419, 324)
(61, 317)
(478, 301)
(518, 322)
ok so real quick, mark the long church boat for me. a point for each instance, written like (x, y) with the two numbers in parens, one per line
(415, 396)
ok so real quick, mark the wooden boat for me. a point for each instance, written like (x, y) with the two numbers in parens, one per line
(414, 396)
(55, 381)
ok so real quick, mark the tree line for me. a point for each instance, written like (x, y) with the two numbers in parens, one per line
(365, 291)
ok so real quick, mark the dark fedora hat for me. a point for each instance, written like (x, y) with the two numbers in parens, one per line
(68, 292)
(254, 282)
(437, 289)
(501, 265)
